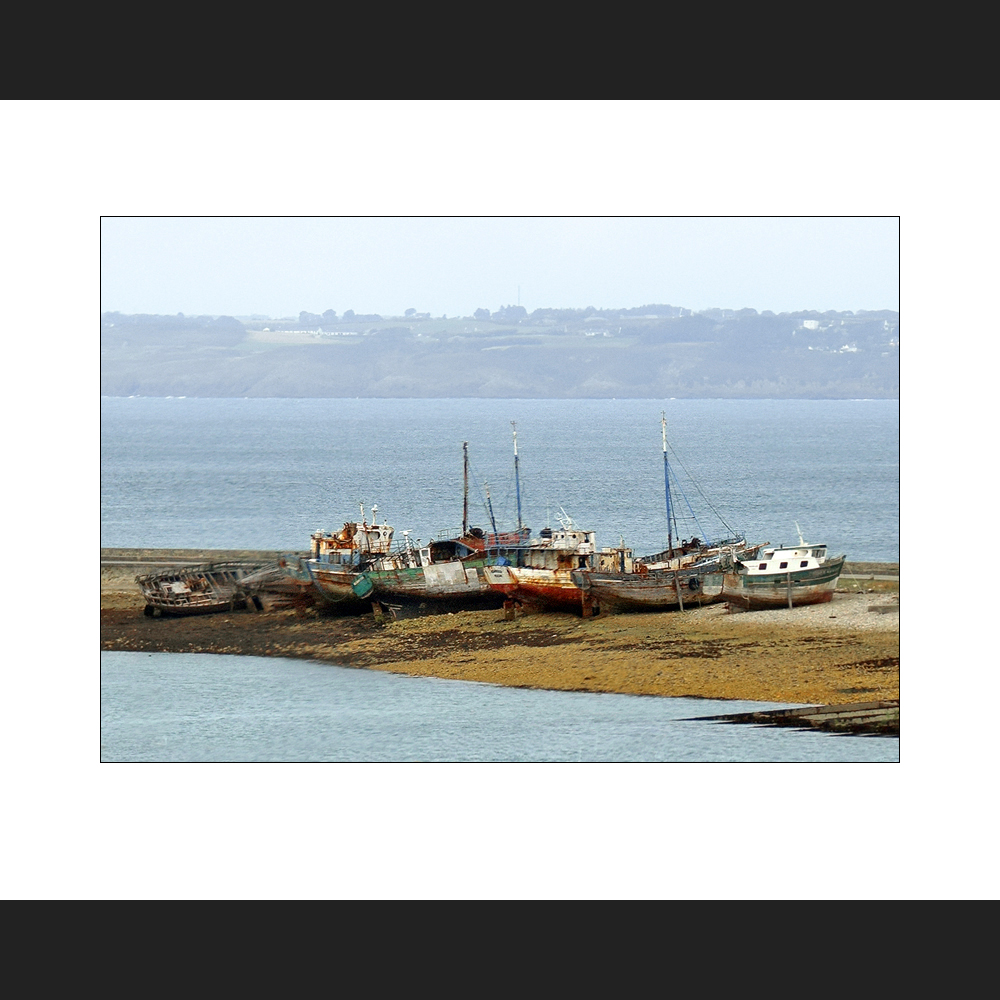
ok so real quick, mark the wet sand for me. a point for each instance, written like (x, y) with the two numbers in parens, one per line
(839, 652)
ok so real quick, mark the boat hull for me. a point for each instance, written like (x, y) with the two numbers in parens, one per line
(339, 586)
(783, 590)
(194, 590)
(438, 586)
(285, 584)
(544, 588)
(649, 591)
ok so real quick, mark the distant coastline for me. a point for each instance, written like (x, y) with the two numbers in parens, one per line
(655, 351)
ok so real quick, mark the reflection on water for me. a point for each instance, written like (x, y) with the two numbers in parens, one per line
(201, 707)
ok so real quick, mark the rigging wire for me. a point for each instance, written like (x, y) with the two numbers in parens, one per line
(728, 526)
(693, 517)
(496, 501)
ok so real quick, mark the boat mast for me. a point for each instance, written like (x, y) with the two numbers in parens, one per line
(489, 505)
(517, 477)
(666, 481)
(465, 494)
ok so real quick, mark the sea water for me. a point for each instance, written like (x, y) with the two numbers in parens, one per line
(202, 707)
(266, 473)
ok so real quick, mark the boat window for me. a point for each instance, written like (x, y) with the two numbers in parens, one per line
(805, 562)
(784, 565)
(762, 566)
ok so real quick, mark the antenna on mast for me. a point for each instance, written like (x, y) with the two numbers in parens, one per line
(517, 477)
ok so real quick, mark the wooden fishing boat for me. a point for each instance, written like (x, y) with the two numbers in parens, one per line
(194, 590)
(338, 559)
(688, 573)
(783, 576)
(540, 575)
(449, 572)
(446, 573)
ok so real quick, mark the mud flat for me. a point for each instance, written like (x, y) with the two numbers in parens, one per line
(837, 653)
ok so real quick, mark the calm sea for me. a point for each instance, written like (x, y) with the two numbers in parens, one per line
(266, 473)
(198, 707)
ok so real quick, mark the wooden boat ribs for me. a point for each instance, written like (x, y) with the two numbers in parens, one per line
(194, 590)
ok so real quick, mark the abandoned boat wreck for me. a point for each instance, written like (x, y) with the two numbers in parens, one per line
(539, 575)
(194, 590)
(449, 572)
(445, 574)
(783, 577)
(622, 583)
(283, 584)
(338, 559)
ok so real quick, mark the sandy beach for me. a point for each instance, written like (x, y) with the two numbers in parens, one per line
(841, 652)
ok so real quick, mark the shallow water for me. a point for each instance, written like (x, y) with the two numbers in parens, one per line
(201, 707)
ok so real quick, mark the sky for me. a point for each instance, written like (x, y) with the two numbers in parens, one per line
(453, 265)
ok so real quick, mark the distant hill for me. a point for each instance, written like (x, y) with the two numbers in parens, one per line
(650, 351)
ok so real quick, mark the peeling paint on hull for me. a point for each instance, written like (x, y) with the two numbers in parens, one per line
(649, 592)
(337, 586)
(779, 590)
(439, 581)
(543, 587)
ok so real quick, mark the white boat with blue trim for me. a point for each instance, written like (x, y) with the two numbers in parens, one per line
(783, 576)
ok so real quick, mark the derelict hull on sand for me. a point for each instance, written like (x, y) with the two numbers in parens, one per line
(285, 584)
(194, 590)
(654, 591)
(451, 585)
(345, 587)
(783, 590)
(543, 588)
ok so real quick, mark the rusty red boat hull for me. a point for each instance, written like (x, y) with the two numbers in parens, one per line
(544, 588)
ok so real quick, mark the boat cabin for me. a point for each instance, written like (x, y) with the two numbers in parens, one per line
(782, 560)
(354, 540)
(615, 560)
(562, 549)
(583, 542)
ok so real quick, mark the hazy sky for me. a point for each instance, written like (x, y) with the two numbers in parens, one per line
(454, 265)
